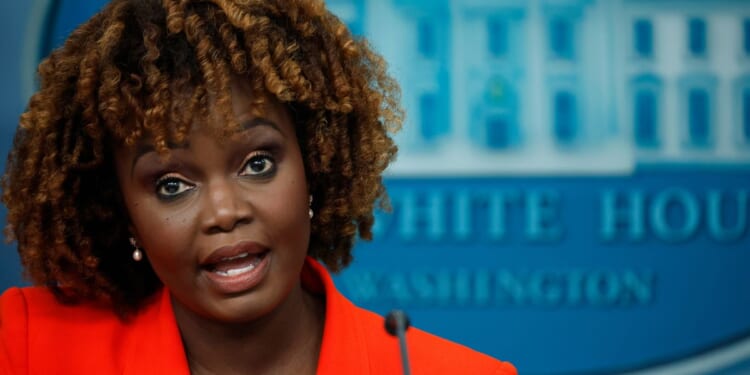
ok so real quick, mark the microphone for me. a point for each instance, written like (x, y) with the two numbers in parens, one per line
(396, 324)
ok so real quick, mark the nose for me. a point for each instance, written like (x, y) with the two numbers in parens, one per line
(225, 206)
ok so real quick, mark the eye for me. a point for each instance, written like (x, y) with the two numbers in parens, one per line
(170, 187)
(260, 163)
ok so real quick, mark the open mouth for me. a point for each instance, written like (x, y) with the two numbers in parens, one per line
(238, 268)
(236, 265)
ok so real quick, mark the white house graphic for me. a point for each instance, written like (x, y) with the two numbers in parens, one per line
(577, 87)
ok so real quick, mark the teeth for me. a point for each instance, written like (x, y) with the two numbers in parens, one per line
(243, 255)
(237, 271)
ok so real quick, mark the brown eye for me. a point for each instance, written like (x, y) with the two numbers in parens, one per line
(171, 187)
(259, 164)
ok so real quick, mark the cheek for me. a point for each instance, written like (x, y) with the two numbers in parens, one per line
(291, 204)
(162, 234)
(287, 209)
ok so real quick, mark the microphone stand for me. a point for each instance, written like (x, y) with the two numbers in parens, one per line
(396, 324)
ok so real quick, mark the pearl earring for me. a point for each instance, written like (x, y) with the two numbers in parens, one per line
(137, 253)
(310, 210)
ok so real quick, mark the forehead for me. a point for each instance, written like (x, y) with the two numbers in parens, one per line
(222, 116)
(255, 124)
(247, 104)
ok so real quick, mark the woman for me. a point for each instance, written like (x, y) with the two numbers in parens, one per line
(176, 181)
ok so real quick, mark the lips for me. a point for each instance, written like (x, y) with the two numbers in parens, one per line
(237, 268)
(235, 265)
(226, 253)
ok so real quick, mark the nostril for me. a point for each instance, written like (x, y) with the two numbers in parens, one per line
(227, 224)
(224, 211)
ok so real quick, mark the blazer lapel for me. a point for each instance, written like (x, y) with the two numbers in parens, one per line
(344, 348)
(156, 346)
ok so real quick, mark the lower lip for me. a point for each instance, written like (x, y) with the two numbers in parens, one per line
(242, 282)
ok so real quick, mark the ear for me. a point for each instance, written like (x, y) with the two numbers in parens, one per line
(134, 233)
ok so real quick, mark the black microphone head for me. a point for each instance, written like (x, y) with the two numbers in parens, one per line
(396, 319)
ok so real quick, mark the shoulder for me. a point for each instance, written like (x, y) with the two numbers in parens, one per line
(428, 353)
(35, 328)
(355, 339)
(37, 306)
(13, 332)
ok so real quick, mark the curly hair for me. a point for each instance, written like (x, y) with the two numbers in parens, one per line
(147, 67)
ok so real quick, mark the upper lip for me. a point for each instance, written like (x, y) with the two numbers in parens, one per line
(229, 251)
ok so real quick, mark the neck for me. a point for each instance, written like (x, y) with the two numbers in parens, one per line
(285, 341)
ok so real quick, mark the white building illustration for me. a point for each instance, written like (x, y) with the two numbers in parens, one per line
(686, 70)
(563, 86)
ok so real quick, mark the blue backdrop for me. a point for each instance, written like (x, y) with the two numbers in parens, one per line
(572, 189)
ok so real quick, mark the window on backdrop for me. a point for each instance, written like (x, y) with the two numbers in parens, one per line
(427, 111)
(497, 37)
(561, 38)
(500, 132)
(697, 37)
(643, 38)
(565, 114)
(426, 43)
(645, 118)
(699, 117)
(745, 133)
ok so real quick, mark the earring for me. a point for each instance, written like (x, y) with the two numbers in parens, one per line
(310, 210)
(137, 253)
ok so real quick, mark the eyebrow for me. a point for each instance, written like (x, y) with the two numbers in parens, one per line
(259, 121)
(144, 148)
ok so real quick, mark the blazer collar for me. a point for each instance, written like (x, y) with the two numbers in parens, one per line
(344, 348)
(156, 347)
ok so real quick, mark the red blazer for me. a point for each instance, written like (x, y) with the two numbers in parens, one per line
(38, 335)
